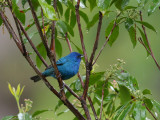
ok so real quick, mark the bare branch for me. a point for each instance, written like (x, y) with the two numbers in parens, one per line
(145, 33)
(69, 44)
(105, 43)
(150, 112)
(97, 40)
(15, 38)
(50, 54)
(79, 76)
(80, 31)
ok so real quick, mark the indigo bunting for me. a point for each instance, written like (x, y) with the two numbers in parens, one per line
(68, 66)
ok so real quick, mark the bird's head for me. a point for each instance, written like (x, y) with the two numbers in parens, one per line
(74, 56)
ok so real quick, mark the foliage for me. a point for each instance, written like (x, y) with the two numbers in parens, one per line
(23, 110)
(114, 91)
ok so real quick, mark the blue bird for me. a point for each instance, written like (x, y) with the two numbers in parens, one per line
(68, 66)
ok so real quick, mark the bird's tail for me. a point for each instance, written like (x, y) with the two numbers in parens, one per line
(36, 78)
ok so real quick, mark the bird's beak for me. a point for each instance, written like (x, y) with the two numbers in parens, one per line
(82, 56)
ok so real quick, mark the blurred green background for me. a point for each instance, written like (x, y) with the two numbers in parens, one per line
(15, 69)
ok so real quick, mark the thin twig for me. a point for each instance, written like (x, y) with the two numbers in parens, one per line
(11, 31)
(71, 91)
(15, 38)
(102, 99)
(50, 54)
(150, 112)
(52, 45)
(44, 32)
(105, 43)
(80, 31)
(83, 100)
(97, 39)
(145, 33)
(79, 76)
(32, 45)
(69, 44)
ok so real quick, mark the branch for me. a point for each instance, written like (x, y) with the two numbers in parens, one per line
(26, 35)
(78, 74)
(102, 99)
(80, 31)
(72, 92)
(150, 112)
(11, 31)
(105, 43)
(145, 33)
(52, 45)
(50, 54)
(31, 43)
(15, 38)
(69, 44)
(97, 39)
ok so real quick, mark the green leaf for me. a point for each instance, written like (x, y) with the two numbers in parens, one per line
(119, 110)
(109, 97)
(121, 4)
(153, 7)
(156, 105)
(48, 10)
(63, 112)
(110, 108)
(1, 21)
(24, 2)
(67, 15)
(79, 50)
(95, 77)
(62, 26)
(58, 48)
(132, 34)
(21, 91)
(146, 91)
(18, 90)
(60, 7)
(139, 111)
(20, 15)
(93, 21)
(70, 29)
(144, 40)
(125, 112)
(10, 89)
(78, 85)
(73, 19)
(84, 16)
(127, 80)
(98, 89)
(7, 118)
(38, 112)
(58, 105)
(48, 1)
(148, 103)
(125, 95)
(92, 4)
(43, 53)
(30, 36)
(114, 34)
(35, 4)
(128, 23)
(103, 4)
(147, 25)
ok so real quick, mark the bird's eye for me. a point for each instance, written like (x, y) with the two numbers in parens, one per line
(79, 56)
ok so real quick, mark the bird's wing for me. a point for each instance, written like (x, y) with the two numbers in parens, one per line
(59, 62)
